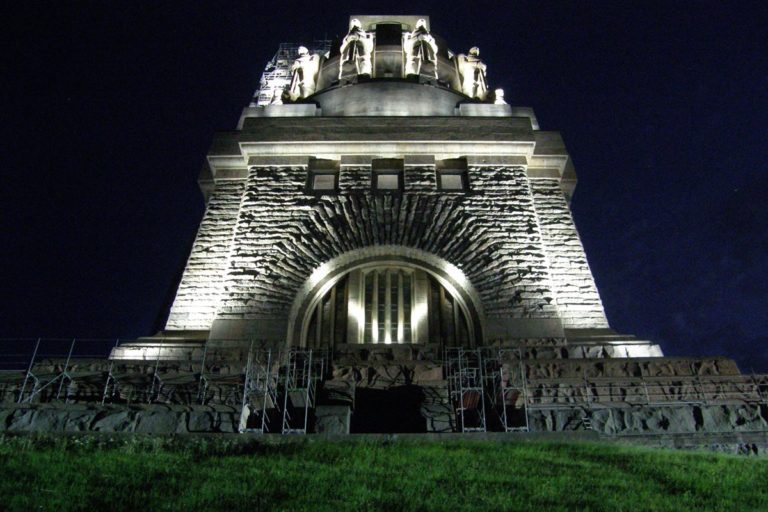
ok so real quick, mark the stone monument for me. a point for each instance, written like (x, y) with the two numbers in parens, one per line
(420, 51)
(304, 74)
(383, 254)
(356, 49)
(472, 71)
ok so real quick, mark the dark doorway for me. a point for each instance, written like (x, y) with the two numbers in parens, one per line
(395, 410)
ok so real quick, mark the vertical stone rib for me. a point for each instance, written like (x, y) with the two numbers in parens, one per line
(577, 297)
(201, 287)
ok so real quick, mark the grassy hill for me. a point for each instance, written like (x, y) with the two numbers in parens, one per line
(105, 473)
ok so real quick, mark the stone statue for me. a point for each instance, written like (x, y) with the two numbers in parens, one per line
(304, 78)
(420, 49)
(498, 97)
(356, 48)
(277, 97)
(472, 72)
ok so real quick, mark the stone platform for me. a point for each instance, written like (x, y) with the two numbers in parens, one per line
(550, 385)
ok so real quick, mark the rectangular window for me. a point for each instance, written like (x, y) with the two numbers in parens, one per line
(452, 175)
(323, 176)
(451, 181)
(324, 182)
(387, 181)
(387, 296)
(387, 175)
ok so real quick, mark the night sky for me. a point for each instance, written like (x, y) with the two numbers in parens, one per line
(108, 110)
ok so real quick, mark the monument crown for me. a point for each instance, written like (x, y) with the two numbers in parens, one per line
(397, 65)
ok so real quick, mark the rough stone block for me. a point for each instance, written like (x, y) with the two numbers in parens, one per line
(115, 420)
(341, 392)
(157, 422)
(332, 419)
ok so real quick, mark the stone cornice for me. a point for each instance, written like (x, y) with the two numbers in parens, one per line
(483, 141)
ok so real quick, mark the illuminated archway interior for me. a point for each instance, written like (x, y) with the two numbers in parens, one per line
(387, 304)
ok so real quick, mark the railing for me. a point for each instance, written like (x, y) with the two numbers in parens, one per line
(181, 373)
(78, 370)
(168, 372)
(34, 369)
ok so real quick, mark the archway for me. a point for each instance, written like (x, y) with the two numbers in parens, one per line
(387, 295)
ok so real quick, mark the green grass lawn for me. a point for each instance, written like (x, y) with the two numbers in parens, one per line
(61, 474)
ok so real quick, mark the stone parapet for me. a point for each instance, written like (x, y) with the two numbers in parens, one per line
(681, 418)
(150, 419)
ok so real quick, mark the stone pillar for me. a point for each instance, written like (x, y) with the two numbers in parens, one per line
(355, 309)
(419, 310)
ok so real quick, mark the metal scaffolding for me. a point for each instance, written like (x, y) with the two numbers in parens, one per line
(464, 371)
(224, 371)
(488, 389)
(154, 374)
(512, 392)
(277, 74)
(63, 370)
(40, 380)
(302, 372)
(259, 392)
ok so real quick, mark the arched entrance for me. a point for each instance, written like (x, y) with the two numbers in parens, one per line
(386, 295)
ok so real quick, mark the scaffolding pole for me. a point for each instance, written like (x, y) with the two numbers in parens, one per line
(259, 392)
(277, 74)
(29, 371)
(465, 376)
(513, 391)
(303, 371)
(110, 380)
(61, 377)
(54, 371)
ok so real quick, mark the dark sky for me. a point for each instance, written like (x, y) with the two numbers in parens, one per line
(108, 110)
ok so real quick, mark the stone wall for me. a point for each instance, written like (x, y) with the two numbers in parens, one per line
(201, 287)
(168, 419)
(678, 419)
(578, 301)
(284, 234)
(608, 395)
(150, 419)
(519, 250)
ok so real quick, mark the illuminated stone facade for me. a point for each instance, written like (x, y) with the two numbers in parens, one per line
(505, 226)
(388, 247)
